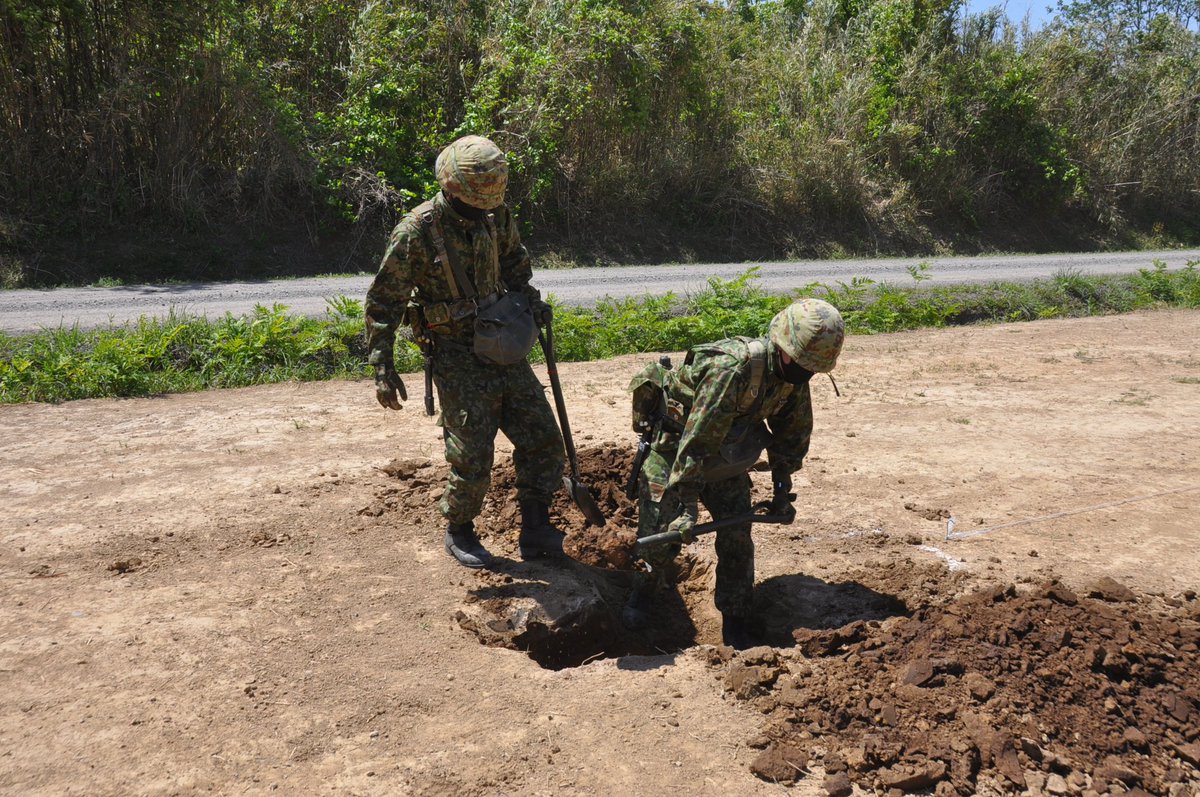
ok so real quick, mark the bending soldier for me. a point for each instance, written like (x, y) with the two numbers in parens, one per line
(446, 260)
(729, 401)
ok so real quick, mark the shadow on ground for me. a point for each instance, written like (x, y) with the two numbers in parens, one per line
(564, 614)
(785, 604)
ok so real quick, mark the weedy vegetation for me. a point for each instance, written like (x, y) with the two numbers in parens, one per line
(181, 353)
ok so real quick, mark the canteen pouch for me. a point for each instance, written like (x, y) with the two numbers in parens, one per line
(505, 330)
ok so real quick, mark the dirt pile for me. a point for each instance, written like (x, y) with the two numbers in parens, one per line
(995, 692)
(418, 484)
(604, 471)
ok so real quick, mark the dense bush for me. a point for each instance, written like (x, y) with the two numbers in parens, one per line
(637, 128)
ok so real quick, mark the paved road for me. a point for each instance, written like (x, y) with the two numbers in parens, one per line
(30, 310)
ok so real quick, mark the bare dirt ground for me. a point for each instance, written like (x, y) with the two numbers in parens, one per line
(244, 592)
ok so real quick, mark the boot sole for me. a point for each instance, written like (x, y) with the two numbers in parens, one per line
(473, 565)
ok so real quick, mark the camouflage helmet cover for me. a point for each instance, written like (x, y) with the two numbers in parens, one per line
(473, 170)
(811, 332)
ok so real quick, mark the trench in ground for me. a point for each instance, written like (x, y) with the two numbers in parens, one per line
(565, 614)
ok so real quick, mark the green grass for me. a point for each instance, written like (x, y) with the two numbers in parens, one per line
(182, 353)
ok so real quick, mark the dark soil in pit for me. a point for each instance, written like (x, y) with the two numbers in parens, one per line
(561, 612)
(567, 612)
(996, 692)
(604, 471)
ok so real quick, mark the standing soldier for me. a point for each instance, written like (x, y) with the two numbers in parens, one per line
(714, 416)
(447, 260)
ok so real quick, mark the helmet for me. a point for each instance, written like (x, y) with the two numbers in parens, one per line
(811, 332)
(473, 170)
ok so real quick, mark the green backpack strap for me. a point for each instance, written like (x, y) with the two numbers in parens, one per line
(431, 219)
(753, 396)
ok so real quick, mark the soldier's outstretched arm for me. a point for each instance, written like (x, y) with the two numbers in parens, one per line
(791, 431)
(516, 268)
(387, 299)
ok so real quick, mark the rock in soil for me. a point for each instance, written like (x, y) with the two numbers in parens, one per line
(782, 762)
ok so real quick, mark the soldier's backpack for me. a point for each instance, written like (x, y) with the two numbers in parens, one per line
(660, 400)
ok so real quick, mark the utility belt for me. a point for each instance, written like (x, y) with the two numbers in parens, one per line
(442, 314)
(737, 453)
(502, 324)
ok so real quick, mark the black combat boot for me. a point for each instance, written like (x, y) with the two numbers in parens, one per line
(635, 615)
(463, 545)
(737, 631)
(538, 536)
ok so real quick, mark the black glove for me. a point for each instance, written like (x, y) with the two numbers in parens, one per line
(387, 384)
(782, 498)
(543, 313)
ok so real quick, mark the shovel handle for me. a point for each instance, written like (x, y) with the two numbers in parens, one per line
(578, 492)
(547, 342)
(715, 525)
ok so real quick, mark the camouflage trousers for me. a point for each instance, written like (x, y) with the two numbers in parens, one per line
(477, 400)
(726, 498)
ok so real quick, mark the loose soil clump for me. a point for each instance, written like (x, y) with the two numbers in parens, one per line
(605, 471)
(419, 484)
(998, 691)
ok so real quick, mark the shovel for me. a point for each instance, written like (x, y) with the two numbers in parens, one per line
(756, 516)
(575, 488)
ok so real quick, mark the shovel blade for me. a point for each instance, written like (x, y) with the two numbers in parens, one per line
(583, 499)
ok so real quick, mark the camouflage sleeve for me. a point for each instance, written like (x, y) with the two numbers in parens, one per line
(714, 409)
(515, 268)
(791, 430)
(389, 293)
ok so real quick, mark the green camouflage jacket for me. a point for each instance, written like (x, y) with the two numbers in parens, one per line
(488, 250)
(712, 388)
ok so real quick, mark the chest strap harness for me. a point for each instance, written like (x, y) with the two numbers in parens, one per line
(465, 302)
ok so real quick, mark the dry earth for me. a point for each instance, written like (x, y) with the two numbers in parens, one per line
(244, 592)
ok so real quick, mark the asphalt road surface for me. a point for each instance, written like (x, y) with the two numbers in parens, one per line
(30, 310)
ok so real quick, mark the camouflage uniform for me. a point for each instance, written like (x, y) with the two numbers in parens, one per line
(477, 399)
(710, 390)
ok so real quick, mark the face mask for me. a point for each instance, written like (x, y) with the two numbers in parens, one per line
(794, 373)
(463, 209)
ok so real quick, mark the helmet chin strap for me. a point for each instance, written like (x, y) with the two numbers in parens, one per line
(836, 392)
